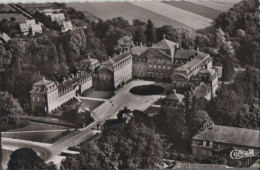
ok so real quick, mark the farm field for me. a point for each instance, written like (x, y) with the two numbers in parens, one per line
(19, 17)
(221, 5)
(109, 10)
(195, 8)
(182, 16)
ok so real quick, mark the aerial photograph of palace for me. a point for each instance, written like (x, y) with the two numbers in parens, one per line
(129, 85)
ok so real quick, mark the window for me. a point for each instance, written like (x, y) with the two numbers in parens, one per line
(203, 152)
(204, 143)
(210, 152)
(211, 144)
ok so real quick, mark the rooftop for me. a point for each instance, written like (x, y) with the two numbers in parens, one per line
(73, 79)
(165, 44)
(43, 82)
(23, 26)
(196, 60)
(67, 24)
(5, 37)
(111, 61)
(36, 27)
(231, 135)
(175, 96)
(199, 90)
(197, 165)
(137, 50)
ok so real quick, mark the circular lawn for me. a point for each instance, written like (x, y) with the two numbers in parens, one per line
(147, 90)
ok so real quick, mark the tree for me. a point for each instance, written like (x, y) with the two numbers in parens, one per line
(9, 105)
(228, 71)
(26, 158)
(121, 146)
(248, 117)
(124, 43)
(13, 19)
(150, 33)
(5, 58)
(196, 117)
(219, 37)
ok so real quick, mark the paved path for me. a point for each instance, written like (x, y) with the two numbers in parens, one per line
(92, 98)
(57, 130)
(107, 110)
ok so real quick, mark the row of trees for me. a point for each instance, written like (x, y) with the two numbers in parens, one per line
(121, 146)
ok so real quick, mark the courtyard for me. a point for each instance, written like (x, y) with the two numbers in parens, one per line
(124, 98)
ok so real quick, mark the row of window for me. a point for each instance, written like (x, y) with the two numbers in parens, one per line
(123, 63)
(159, 66)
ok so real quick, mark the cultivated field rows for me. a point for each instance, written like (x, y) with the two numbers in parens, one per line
(185, 17)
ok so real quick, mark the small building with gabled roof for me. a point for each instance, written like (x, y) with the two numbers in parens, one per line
(4, 38)
(215, 139)
(66, 26)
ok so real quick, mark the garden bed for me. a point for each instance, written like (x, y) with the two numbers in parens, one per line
(147, 90)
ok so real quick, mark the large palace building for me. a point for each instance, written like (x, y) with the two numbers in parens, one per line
(114, 72)
(50, 95)
(187, 69)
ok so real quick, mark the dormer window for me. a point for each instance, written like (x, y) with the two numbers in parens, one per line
(211, 144)
(204, 143)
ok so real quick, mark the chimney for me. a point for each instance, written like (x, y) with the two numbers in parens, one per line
(88, 56)
(125, 108)
(174, 91)
(197, 49)
(141, 44)
(43, 78)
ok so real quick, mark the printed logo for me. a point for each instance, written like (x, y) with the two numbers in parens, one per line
(238, 154)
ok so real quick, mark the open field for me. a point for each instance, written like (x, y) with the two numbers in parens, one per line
(19, 17)
(182, 16)
(195, 8)
(6, 8)
(221, 5)
(109, 10)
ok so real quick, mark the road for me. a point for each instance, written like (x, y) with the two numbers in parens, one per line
(107, 110)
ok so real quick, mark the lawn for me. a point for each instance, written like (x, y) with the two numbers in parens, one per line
(98, 94)
(19, 17)
(33, 136)
(6, 157)
(35, 127)
(91, 104)
(195, 8)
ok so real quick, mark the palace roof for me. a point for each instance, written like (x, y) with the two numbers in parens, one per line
(43, 82)
(199, 90)
(137, 50)
(73, 79)
(230, 135)
(196, 60)
(165, 45)
(111, 61)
